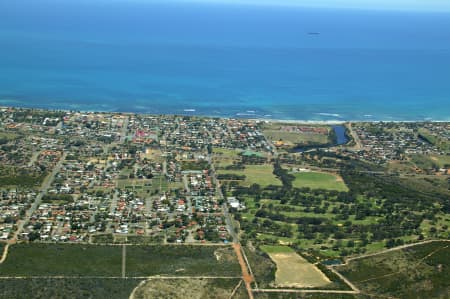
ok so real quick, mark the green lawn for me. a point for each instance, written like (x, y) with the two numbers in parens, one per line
(319, 180)
(276, 249)
(441, 160)
(225, 157)
(256, 174)
(226, 152)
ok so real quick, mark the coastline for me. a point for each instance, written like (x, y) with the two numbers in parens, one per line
(189, 112)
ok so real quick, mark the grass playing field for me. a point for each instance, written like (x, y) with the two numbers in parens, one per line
(319, 180)
(256, 174)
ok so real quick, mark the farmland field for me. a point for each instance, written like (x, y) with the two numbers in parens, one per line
(319, 180)
(420, 271)
(293, 270)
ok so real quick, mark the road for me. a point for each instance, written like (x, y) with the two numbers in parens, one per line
(34, 158)
(229, 223)
(116, 277)
(358, 144)
(186, 184)
(124, 131)
(124, 260)
(247, 274)
(348, 282)
(37, 201)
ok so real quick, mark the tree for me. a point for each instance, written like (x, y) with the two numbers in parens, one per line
(390, 243)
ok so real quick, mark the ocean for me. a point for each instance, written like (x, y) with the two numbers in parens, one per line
(289, 63)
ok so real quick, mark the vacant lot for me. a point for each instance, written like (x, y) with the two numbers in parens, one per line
(256, 174)
(188, 288)
(106, 261)
(421, 271)
(442, 160)
(290, 137)
(67, 288)
(293, 270)
(62, 259)
(224, 157)
(262, 266)
(319, 180)
(182, 260)
(154, 155)
(309, 296)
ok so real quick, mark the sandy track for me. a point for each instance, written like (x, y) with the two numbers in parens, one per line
(248, 279)
(5, 253)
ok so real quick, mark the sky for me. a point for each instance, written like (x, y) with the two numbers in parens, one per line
(407, 5)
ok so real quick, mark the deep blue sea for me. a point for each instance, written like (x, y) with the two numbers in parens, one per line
(225, 60)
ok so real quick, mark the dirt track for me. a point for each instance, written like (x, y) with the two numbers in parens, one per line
(248, 279)
(391, 249)
(5, 253)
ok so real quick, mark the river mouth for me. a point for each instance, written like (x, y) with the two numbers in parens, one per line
(340, 138)
(340, 133)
